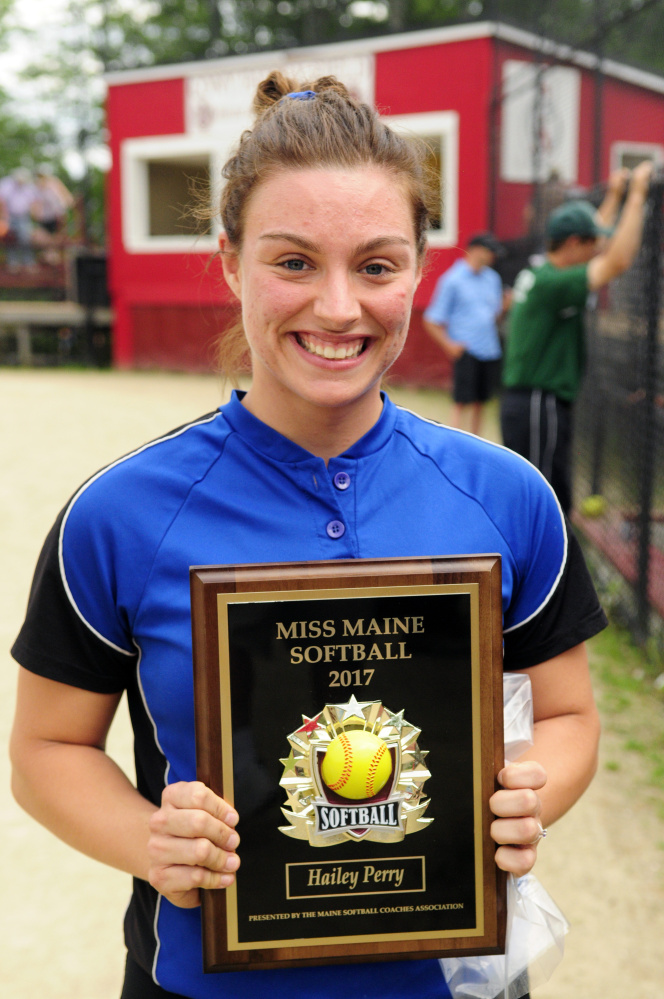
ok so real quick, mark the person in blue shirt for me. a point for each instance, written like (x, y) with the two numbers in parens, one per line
(462, 318)
(323, 245)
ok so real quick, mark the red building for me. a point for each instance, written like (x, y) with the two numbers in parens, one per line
(500, 109)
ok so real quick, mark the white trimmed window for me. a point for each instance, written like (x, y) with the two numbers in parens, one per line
(630, 154)
(440, 131)
(163, 178)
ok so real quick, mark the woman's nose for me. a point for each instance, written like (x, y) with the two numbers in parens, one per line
(336, 305)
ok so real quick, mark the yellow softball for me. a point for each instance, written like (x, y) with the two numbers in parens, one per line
(356, 765)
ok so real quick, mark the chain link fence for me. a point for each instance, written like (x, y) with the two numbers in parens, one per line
(619, 416)
(619, 471)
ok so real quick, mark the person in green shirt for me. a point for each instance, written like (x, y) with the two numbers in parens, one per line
(545, 353)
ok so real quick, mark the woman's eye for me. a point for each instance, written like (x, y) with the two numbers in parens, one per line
(294, 265)
(375, 270)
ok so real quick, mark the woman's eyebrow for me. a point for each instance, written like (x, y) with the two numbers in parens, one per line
(380, 241)
(368, 247)
(290, 237)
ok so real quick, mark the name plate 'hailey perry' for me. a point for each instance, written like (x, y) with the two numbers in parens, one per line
(352, 713)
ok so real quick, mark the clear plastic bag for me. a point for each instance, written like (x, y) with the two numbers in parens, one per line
(536, 927)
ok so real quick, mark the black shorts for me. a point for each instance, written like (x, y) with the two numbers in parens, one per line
(475, 380)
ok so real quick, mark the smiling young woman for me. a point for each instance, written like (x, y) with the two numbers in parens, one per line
(325, 217)
(325, 307)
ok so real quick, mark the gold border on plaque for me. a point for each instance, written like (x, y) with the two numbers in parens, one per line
(360, 592)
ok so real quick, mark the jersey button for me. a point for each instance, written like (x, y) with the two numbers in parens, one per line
(341, 480)
(336, 529)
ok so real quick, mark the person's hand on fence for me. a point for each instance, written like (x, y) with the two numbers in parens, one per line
(618, 181)
(640, 179)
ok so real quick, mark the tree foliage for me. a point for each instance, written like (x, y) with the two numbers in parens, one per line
(121, 34)
(24, 142)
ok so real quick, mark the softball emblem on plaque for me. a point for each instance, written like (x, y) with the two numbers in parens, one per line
(354, 772)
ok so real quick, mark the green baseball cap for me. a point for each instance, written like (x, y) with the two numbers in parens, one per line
(574, 218)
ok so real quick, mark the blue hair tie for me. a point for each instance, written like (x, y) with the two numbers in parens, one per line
(302, 95)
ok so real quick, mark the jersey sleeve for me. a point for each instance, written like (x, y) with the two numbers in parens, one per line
(567, 286)
(57, 639)
(570, 614)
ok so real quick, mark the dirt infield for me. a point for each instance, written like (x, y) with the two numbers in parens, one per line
(61, 918)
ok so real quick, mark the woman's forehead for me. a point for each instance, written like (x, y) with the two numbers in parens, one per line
(366, 196)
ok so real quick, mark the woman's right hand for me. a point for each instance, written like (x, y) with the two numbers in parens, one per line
(192, 843)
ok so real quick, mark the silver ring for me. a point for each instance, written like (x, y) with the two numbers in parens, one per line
(542, 833)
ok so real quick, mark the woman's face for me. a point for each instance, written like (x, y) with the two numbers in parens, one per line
(326, 275)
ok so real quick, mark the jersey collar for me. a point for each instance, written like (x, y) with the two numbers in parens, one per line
(274, 445)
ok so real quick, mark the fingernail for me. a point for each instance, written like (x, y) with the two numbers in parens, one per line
(232, 863)
(233, 841)
(225, 880)
(232, 818)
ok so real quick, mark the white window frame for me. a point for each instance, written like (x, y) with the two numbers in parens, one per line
(136, 155)
(446, 125)
(647, 150)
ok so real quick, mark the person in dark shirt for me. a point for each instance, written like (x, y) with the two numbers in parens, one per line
(545, 352)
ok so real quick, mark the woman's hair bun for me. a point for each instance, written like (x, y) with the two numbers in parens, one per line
(271, 90)
(330, 83)
(276, 86)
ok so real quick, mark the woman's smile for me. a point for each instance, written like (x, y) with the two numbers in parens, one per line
(340, 350)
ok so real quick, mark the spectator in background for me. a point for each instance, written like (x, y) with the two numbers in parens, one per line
(18, 195)
(53, 201)
(462, 319)
(50, 211)
(545, 352)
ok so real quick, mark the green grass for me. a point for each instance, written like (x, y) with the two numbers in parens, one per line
(632, 708)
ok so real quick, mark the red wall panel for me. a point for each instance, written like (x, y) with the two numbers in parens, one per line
(178, 337)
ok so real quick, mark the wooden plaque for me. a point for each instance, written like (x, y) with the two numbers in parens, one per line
(354, 847)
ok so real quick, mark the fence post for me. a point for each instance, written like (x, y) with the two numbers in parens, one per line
(652, 257)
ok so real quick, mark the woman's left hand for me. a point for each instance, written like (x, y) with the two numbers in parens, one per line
(517, 827)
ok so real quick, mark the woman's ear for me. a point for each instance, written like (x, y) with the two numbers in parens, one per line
(230, 262)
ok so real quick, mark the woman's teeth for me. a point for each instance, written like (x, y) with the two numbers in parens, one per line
(339, 353)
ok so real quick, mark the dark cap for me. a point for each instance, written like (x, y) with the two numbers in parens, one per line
(488, 241)
(574, 218)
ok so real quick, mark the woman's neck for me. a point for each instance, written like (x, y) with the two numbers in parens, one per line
(322, 430)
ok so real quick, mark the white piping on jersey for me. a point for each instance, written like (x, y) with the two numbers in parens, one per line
(97, 475)
(139, 683)
(502, 447)
(158, 940)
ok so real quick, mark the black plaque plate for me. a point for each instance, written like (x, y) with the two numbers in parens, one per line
(289, 657)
